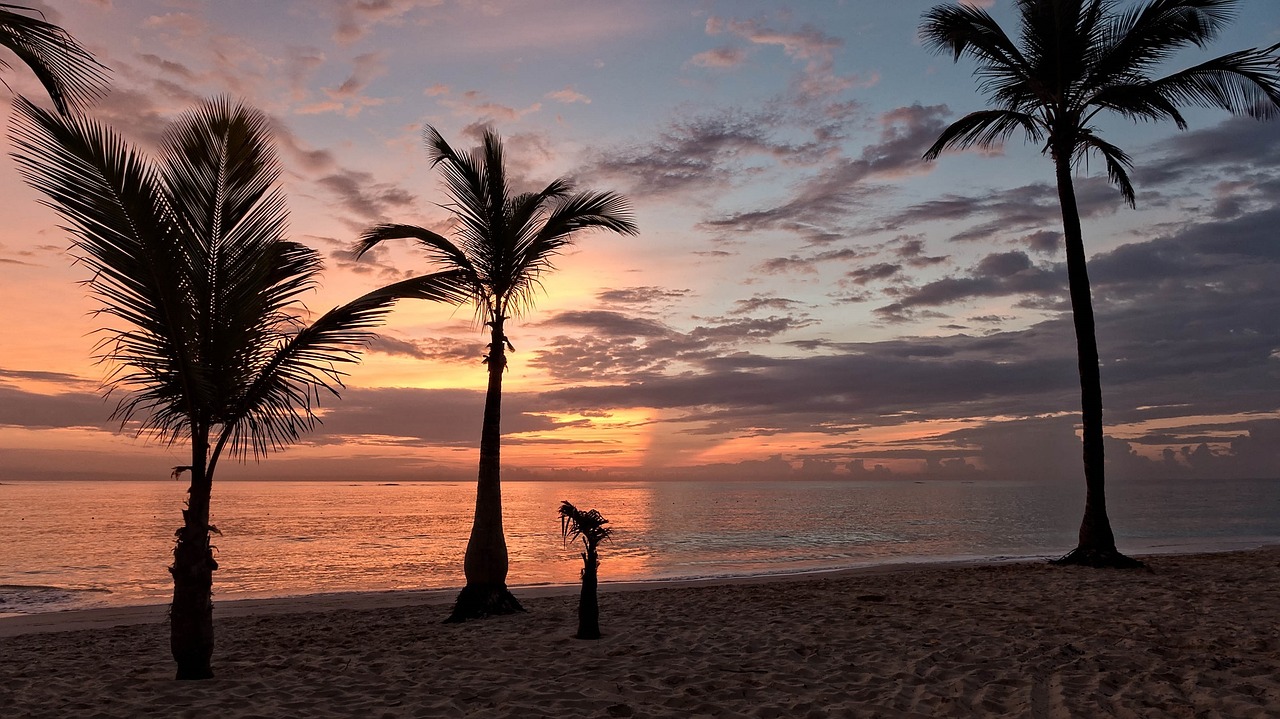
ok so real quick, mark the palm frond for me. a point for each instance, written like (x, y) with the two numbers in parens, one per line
(438, 247)
(590, 210)
(1242, 83)
(966, 29)
(540, 243)
(1142, 37)
(466, 183)
(124, 231)
(220, 167)
(589, 525)
(1054, 38)
(1141, 101)
(984, 128)
(1003, 70)
(220, 171)
(191, 260)
(497, 195)
(453, 287)
(280, 403)
(68, 72)
(503, 242)
(1118, 163)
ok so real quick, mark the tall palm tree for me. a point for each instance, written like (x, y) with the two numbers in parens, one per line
(505, 245)
(69, 73)
(589, 526)
(1075, 60)
(201, 295)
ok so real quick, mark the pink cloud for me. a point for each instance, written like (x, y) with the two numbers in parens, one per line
(814, 47)
(720, 57)
(569, 96)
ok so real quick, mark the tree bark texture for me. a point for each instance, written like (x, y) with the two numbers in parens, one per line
(485, 562)
(191, 613)
(1097, 544)
(588, 600)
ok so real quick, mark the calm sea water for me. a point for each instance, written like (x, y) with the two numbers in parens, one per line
(66, 545)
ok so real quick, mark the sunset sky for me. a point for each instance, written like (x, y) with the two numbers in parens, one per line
(806, 298)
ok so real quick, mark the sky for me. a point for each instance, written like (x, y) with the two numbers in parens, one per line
(806, 299)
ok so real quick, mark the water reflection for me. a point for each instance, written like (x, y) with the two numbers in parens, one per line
(282, 538)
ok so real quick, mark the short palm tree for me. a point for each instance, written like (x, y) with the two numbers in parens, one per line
(1075, 60)
(71, 76)
(201, 295)
(589, 526)
(505, 245)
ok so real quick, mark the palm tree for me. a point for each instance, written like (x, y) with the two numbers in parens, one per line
(1075, 60)
(589, 527)
(71, 76)
(200, 292)
(505, 244)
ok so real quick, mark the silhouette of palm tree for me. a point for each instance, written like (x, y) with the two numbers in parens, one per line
(1077, 59)
(505, 246)
(71, 76)
(589, 526)
(200, 292)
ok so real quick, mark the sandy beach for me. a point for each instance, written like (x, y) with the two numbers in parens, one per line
(1196, 636)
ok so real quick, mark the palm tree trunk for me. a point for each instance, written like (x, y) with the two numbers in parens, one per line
(588, 600)
(1097, 543)
(191, 614)
(485, 563)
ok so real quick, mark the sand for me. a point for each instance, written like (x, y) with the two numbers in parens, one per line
(1197, 636)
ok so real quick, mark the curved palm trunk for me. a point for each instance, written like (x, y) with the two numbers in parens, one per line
(588, 600)
(191, 614)
(485, 563)
(1097, 543)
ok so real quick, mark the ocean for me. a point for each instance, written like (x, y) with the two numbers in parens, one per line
(74, 545)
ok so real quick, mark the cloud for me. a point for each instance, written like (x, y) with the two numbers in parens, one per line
(808, 264)
(820, 207)
(720, 58)
(816, 49)
(996, 275)
(348, 97)
(354, 19)
(876, 272)
(699, 153)
(61, 410)
(478, 108)
(360, 193)
(569, 96)
(764, 302)
(606, 345)
(185, 25)
(1236, 149)
(1027, 211)
(641, 296)
(444, 349)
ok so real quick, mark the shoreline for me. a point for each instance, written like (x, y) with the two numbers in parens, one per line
(1193, 636)
(70, 620)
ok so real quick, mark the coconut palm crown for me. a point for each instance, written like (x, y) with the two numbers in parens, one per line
(590, 527)
(69, 73)
(504, 245)
(200, 296)
(1073, 62)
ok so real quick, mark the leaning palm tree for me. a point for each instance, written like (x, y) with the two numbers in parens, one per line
(69, 73)
(1075, 60)
(589, 527)
(505, 245)
(201, 295)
